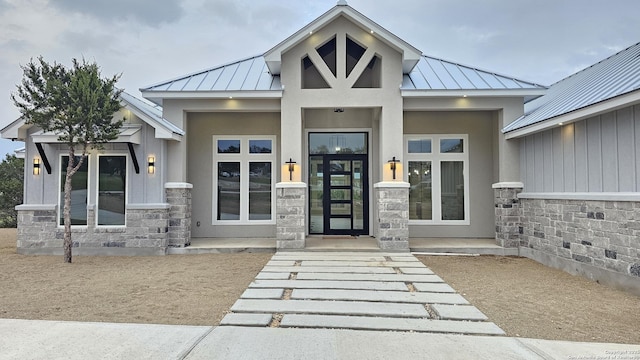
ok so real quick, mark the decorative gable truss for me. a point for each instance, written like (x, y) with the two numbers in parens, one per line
(341, 62)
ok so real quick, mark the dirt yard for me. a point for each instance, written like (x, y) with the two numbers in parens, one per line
(527, 299)
(176, 289)
(523, 297)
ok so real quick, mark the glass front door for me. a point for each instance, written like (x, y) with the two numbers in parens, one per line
(338, 192)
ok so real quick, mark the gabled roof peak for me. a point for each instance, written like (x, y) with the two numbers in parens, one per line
(410, 55)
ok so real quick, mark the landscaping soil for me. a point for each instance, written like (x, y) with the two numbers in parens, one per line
(527, 299)
(524, 298)
(174, 289)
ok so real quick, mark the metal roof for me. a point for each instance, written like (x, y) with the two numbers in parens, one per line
(250, 74)
(437, 74)
(617, 75)
(430, 73)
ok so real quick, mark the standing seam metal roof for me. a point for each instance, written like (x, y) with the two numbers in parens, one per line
(437, 74)
(249, 74)
(430, 73)
(616, 75)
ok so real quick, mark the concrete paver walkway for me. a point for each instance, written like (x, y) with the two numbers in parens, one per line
(356, 290)
(312, 306)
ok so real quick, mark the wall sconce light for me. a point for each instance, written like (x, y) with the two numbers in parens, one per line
(393, 163)
(151, 163)
(36, 166)
(291, 164)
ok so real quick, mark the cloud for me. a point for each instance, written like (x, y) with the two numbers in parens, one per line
(149, 12)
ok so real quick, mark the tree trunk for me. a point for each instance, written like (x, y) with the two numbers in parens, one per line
(67, 207)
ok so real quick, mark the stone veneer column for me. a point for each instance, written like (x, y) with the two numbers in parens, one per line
(392, 230)
(508, 213)
(290, 215)
(179, 199)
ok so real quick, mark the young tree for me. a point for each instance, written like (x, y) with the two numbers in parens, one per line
(74, 103)
(11, 189)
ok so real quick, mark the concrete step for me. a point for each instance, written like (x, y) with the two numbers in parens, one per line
(327, 284)
(390, 324)
(341, 269)
(371, 277)
(433, 287)
(337, 256)
(458, 312)
(385, 296)
(333, 263)
(273, 276)
(330, 308)
(246, 319)
(262, 294)
(416, 270)
(273, 262)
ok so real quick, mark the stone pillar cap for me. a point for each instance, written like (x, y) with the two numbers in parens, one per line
(178, 185)
(508, 185)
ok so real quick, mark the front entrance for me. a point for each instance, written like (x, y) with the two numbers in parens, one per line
(339, 185)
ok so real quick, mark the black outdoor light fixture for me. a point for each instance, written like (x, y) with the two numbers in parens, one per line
(393, 163)
(291, 164)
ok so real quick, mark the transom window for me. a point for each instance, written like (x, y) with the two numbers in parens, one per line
(437, 171)
(243, 179)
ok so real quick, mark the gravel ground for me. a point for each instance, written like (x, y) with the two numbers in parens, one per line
(527, 299)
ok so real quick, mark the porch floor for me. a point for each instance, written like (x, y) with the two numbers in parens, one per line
(483, 246)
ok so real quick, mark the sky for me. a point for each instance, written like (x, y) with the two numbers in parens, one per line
(148, 41)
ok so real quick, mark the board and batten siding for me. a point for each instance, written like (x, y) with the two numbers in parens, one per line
(600, 154)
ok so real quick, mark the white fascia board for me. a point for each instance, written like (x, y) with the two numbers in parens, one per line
(613, 104)
(410, 93)
(161, 132)
(260, 94)
(16, 130)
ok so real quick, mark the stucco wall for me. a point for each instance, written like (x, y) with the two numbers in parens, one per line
(479, 125)
(201, 127)
(599, 154)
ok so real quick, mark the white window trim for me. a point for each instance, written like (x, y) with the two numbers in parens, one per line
(126, 189)
(60, 225)
(244, 158)
(435, 157)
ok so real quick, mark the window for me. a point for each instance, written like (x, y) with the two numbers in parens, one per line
(438, 167)
(79, 191)
(243, 183)
(112, 180)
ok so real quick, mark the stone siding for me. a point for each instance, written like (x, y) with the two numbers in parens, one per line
(603, 234)
(508, 215)
(179, 199)
(290, 216)
(145, 233)
(392, 208)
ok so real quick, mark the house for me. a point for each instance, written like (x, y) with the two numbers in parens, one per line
(345, 129)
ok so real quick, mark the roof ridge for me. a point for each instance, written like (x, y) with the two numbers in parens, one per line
(593, 65)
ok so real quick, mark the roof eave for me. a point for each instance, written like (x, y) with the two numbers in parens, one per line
(158, 96)
(427, 93)
(17, 130)
(587, 112)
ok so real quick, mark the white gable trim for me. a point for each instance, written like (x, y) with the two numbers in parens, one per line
(410, 55)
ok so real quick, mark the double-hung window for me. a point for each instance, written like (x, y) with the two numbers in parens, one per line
(243, 182)
(438, 174)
